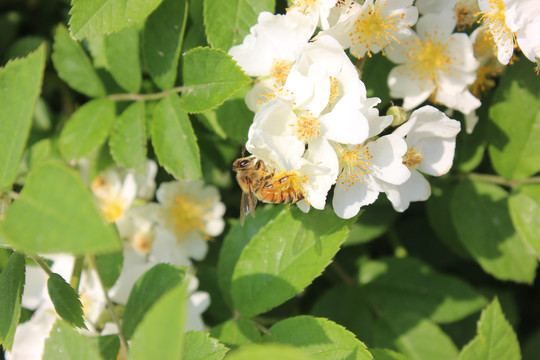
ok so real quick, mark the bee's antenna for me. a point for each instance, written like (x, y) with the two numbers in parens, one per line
(243, 146)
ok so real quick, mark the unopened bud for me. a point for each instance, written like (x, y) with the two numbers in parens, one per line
(399, 114)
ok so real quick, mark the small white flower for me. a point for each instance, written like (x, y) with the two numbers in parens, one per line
(114, 194)
(523, 18)
(373, 26)
(431, 139)
(494, 19)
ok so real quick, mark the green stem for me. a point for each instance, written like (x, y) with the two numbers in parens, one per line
(41, 263)
(110, 305)
(145, 97)
(77, 271)
(495, 179)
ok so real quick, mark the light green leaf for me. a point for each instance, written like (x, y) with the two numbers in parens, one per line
(74, 66)
(210, 77)
(514, 132)
(525, 213)
(346, 306)
(268, 352)
(228, 22)
(407, 284)
(123, 60)
(162, 40)
(385, 354)
(414, 336)
(160, 335)
(482, 221)
(55, 212)
(12, 285)
(101, 17)
(235, 241)
(65, 343)
(87, 128)
(200, 346)
(237, 332)
(65, 300)
(174, 141)
(20, 81)
(495, 338)
(285, 257)
(321, 338)
(147, 291)
(128, 138)
(109, 267)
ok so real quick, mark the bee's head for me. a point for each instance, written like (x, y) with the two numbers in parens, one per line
(244, 163)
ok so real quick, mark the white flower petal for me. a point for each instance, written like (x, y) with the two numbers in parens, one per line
(416, 188)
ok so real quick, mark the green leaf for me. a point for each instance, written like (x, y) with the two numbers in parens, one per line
(482, 221)
(268, 352)
(108, 345)
(101, 17)
(128, 138)
(385, 354)
(122, 56)
(471, 148)
(414, 336)
(160, 335)
(321, 338)
(495, 338)
(407, 284)
(147, 291)
(55, 212)
(374, 70)
(531, 345)
(12, 285)
(200, 346)
(87, 128)
(285, 257)
(346, 306)
(65, 343)
(109, 267)
(237, 332)
(74, 66)
(162, 41)
(514, 132)
(525, 213)
(373, 222)
(20, 81)
(174, 141)
(65, 300)
(228, 22)
(210, 77)
(235, 241)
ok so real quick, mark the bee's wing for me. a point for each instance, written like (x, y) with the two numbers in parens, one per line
(247, 205)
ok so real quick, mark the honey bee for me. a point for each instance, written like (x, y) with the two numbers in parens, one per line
(258, 182)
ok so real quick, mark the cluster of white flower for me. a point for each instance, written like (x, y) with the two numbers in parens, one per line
(313, 119)
(174, 231)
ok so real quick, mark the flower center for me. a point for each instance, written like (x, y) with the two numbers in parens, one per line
(412, 159)
(465, 11)
(142, 242)
(185, 216)
(306, 127)
(354, 164)
(280, 70)
(305, 6)
(111, 208)
(287, 180)
(430, 59)
(272, 94)
(334, 90)
(494, 19)
(372, 28)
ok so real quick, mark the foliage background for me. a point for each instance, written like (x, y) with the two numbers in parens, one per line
(414, 282)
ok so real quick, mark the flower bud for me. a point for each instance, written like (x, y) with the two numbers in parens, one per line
(399, 114)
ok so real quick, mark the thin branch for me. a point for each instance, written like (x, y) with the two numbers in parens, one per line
(77, 271)
(110, 306)
(41, 263)
(145, 97)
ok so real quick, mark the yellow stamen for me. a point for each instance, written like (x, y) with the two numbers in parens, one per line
(306, 127)
(412, 159)
(185, 216)
(354, 165)
(280, 70)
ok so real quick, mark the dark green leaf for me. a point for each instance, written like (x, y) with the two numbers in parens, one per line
(210, 77)
(495, 339)
(109, 267)
(373, 222)
(55, 212)
(108, 346)
(147, 291)
(174, 141)
(200, 346)
(407, 284)
(385, 354)
(122, 56)
(321, 338)
(375, 69)
(514, 133)
(414, 336)
(101, 17)
(237, 332)
(128, 138)
(20, 81)
(228, 22)
(65, 300)
(65, 343)
(73, 65)
(285, 257)
(482, 221)
(87, 128)
(160, 334)
(12, 285)
(162, 41)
